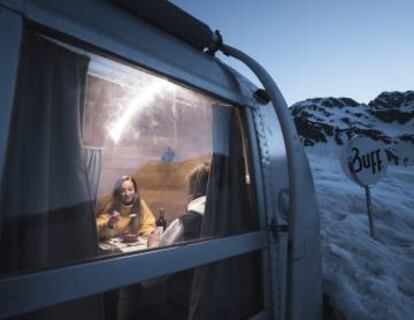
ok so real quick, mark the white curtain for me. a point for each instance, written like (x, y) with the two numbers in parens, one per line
(93, 161)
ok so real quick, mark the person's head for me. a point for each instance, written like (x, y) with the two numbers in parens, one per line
(198, 180)
(126, 191)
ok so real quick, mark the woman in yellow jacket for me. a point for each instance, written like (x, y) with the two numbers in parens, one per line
(126, 213)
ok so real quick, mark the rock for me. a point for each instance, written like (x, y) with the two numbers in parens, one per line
(388, 119)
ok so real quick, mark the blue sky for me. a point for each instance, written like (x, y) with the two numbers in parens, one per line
(320, 48)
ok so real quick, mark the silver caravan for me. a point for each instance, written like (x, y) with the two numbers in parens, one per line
(108, 110)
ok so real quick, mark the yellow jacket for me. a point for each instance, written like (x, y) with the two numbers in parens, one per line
(146, 222)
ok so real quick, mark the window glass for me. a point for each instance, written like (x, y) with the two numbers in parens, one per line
(181, 152)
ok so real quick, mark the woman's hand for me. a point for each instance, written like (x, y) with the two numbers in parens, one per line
(153, 239)
(113, 219)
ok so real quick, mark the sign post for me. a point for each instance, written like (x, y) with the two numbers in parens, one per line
(364, 162)
(369, 206)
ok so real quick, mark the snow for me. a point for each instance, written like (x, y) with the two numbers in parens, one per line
(366, 278)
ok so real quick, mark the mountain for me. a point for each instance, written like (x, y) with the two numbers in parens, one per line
(330, 123)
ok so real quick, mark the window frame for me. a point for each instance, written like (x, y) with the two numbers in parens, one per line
(31, 291)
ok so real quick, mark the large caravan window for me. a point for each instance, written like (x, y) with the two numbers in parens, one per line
(173, 143)
(105, 159)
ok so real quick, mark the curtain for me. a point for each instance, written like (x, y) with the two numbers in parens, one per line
(93, 162)
(46, 206)
(228, 289)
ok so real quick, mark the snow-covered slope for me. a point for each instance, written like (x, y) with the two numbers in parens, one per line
(366, 278)
(326, 124)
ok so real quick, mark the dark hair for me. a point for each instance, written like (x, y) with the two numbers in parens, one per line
(117, 199)
(198, 181)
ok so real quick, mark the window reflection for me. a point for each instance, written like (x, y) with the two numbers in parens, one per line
(158, 133)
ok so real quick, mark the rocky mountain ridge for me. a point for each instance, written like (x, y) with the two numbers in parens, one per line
(388, 119)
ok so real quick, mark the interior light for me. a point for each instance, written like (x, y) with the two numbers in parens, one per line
(136, 105)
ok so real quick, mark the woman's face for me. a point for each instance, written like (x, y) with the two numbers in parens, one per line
(127, 192)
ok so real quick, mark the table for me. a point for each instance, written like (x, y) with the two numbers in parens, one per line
(116, 244)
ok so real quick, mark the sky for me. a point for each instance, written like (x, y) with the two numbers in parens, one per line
(319, 48)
